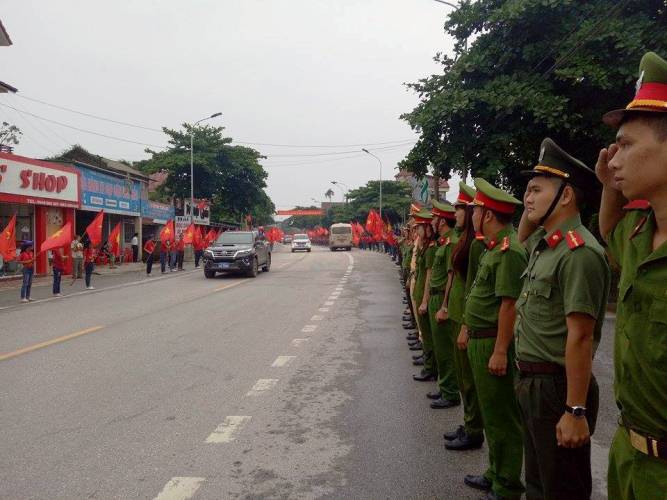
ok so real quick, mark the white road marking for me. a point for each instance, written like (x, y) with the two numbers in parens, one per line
(339, 288)
(309, 328)
(599, 464)
(329, 303)
(335, 294)
(225, 432)
(298, 342)
(282, 361)
(323, 309)
(317, 317)
(262, 385)
(180, 488)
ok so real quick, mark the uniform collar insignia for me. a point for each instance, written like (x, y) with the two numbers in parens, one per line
(491, 244)
(554, 238)
(574, 240)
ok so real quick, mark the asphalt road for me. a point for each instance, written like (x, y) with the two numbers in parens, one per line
(295, 384)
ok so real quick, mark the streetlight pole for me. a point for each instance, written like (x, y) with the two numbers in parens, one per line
(448, 3)
(343, 191)
(192, 168)
(380, 162)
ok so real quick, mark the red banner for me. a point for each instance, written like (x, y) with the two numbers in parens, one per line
(310, 211)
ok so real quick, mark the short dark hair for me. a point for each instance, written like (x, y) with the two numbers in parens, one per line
(501, 217)
(656, 121)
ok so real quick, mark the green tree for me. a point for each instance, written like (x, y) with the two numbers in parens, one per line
(230, 176)
(526, 69)
(329, 194)
(303, 221)
(10, 135)
(396, 199)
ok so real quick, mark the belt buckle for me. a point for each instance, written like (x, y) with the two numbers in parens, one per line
(639, 442)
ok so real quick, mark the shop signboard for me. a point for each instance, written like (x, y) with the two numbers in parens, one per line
(202, 212)
(159, 212)
(37, 182)
(113, 194)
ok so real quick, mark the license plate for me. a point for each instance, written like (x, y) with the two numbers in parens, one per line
(224, 265)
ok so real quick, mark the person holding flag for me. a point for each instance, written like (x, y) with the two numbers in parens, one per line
(89, 256)
(27, 260)
(166, 241)
(76, 247)
(180, 252)
(8, 243)
(58, 266)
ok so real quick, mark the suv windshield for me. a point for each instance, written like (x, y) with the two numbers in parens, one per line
(300, 236)
(235, 238)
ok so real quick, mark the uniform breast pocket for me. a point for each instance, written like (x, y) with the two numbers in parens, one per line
(656, 341)
(539, 299)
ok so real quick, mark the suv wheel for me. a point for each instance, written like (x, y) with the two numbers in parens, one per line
(254, 270)
(209, 274)
(267, 265)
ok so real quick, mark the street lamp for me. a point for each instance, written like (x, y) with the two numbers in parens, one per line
(380, 162)
(338, 184)
(192, 169)
(448, 3)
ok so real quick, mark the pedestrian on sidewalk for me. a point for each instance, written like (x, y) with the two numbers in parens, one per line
(180, 252)
(165, 248)
(149, 248)
(199, 251)
(58, 266)
(135, 247)
(77, 258)
(173, 256)
(27, 259)
(89, 256)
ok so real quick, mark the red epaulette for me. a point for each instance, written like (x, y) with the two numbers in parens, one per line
(555, 239)
(505, 246)
(479, 236)
(574, 240)
(491, 244)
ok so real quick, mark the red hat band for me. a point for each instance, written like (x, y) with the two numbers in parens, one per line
(464, 198)
(442, 214)
(650, 95)
(498, 206)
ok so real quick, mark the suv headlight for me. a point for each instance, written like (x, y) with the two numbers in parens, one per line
(208, 253)
(243, 253)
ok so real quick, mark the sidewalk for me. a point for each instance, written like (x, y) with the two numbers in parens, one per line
(14, 281)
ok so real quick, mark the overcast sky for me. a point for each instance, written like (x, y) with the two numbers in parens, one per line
(296, 72)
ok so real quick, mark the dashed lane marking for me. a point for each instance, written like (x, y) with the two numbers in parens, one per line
(298, 342)
(329, 303)
(230, 285)
(262, 385)
(323, 309)
(282, 361)
(42, 345)
(226, 431)
(339, 288)
(180, 488)
(317, 317)
(309, 328)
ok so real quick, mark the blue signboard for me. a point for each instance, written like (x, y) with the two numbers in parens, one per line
(113, 194)
(159, 212)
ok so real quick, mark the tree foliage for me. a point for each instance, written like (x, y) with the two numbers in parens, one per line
(527, 69)
(10, 135)
(228, 175)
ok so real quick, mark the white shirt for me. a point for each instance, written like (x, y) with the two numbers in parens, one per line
(135, 241)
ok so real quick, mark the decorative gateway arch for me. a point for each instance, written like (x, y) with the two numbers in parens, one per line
(307, 211)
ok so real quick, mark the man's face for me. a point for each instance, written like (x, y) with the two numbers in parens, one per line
(477, 213)
(539, 196)
(640, 164)
(460, 216)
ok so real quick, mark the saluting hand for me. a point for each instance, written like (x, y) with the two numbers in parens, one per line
(604, 173)
(498, 364)
(572, 432)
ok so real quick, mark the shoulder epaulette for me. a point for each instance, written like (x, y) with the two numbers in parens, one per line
(555, 239)
(479, 236)
(574, 240)
(491, 244)
(505, 246)
(637, 205)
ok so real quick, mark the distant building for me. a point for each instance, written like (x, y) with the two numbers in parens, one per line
(405, 176)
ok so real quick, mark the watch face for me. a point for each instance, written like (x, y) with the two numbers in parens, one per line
(578, 412)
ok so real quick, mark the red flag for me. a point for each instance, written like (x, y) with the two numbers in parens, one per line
(114, 240)
(94, 229)
(167, 233)
(188, 234)
(8, 241)
(62, 237)
(211, 236)
(202, 204)
(197, 238)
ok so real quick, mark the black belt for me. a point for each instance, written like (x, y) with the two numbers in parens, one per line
(528, 368)
(483, 334)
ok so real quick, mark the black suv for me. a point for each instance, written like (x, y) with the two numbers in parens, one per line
(237, 252)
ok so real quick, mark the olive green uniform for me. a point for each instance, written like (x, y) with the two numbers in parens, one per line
(443, 333)
(563, 277)
(497, 277)
(424, 262)
(472, 416)
(640, 359)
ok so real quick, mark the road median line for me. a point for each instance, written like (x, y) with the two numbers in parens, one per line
(47, 343)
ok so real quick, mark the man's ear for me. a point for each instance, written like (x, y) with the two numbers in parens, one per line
(568, 197)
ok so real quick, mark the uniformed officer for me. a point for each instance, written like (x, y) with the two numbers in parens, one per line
(635, 167)
(489, 320)
(442, 329)
(560, 314)
(424, 259)
(465, 260)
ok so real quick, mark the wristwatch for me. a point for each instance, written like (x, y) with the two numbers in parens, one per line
(576, 411)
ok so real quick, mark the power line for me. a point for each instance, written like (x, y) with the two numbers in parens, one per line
(83, 130)
(336, 153)
(249, 143)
